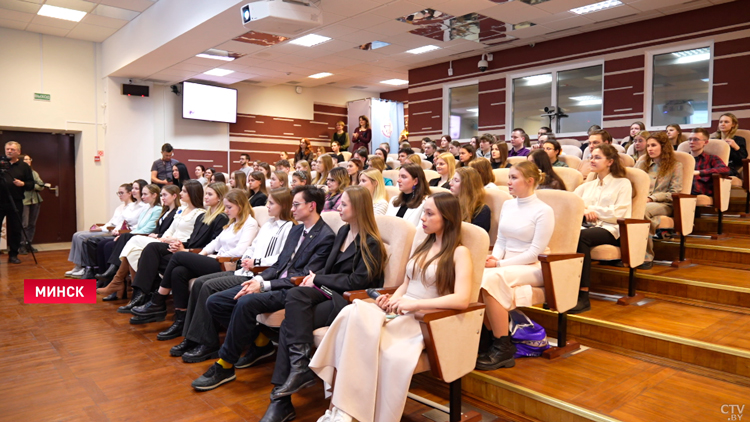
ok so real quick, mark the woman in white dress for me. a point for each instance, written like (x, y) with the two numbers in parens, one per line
(373, 180)
(524, 232)
(385, 336)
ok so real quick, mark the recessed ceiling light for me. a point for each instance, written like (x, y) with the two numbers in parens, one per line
(218, 72)
(596, 7)
(704, 80)
(309, 40)
(211, 56)
(61, 13)
(472, 110)
(395, 82)
(586, 100)
(320, 75)
(692, 56)
(424, 49)
(538, 79)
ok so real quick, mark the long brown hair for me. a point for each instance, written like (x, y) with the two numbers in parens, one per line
(172, 190)
(354, 178)
(484, 169)
(677, 127)
(421, 190)
(283, 197)
(211, 213)
(471, 194)
(732, 132)
(307, 146)
(327, 163)
(541, 159)
(240, 180)
(610, 153)
(666, 159)
(502, 147)
(340, 175)
(238, 197)
(260, 177)
(361, 200)
(445, 276)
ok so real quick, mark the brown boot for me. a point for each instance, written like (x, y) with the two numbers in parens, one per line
(117, 285)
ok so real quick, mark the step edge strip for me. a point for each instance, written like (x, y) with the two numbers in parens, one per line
(679, 281)
(708, 247)
(543, 398)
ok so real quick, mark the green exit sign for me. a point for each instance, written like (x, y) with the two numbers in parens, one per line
(42, 97)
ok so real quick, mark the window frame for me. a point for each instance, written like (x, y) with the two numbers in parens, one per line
(541, 70)
(648, 90)
(447, 103)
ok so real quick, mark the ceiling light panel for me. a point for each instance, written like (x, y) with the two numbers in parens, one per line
(538, 79)
(321, 75)
(395, 82)
(61, 13)
(591, 8)
(309, 40)
(218, 72)
(424, 49)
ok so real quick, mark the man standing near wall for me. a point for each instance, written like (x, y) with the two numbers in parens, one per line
(161, 170)
(245, 164)
(16, 179)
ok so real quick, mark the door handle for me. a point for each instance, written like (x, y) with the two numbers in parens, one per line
(56, 189)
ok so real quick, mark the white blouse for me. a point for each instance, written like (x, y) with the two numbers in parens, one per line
(229, 243)
(267, 245)
(525, 229)
(380, 207)
(183, 224)
(611, 198)
(132, 213)
(412, 215)
(116, 219)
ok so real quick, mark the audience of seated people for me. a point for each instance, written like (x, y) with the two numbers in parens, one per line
(499, 158)
(727, 131)
(414, 190)
(517, 141)
(372, 180)
(553, 150)
(445, 165)
(337, 181)
(551, 179)
(706, 165)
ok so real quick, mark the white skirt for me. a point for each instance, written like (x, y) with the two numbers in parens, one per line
(134, 247)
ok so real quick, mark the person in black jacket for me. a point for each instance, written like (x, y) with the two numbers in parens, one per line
(16, 179)
(357, 262)
(466, 185)
(155, 256)
(306, 250)
(256, 185)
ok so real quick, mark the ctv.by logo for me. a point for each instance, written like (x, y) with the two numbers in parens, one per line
(733, 410)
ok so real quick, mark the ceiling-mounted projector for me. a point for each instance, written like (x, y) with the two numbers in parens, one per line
(279, 17)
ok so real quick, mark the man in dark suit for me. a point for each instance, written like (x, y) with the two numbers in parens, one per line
(306, 249)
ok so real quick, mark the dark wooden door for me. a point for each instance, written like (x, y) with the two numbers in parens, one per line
(54, 160)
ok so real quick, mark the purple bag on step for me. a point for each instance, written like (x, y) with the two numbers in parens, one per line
(528, 336)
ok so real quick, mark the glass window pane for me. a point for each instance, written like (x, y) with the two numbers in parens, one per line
(530, 95)
(680, 87)
(464, 112)
(579, 96)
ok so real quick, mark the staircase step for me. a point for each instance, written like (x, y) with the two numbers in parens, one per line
(708, 338)
(731, 225)
(712, 285)
(734, 249)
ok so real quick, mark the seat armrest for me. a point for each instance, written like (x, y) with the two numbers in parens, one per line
(451, 339)
(561, 274)
(746, 174)
(362, 294)
(684, 212)
(124, 231)
(721, 194)
(223, 259)
(633, 240)
(297, 280)
(195, 250)
(258, 270)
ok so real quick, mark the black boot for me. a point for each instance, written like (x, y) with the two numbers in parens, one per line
(175, 330)
(88, 274)
(485, 340)
(583, 303)
(280, 410)
(106, 277)
(23, 249)
(500, 355)
(181, 348)
(153, 311)
(139, 298)
(300, 375)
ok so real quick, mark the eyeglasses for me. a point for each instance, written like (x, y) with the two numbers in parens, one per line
(297, 204)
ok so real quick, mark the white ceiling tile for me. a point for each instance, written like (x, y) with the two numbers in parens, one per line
(192, 67)
(613, 13)
(13, 15)
(93, 33)
(398, 9)
(52, 22)
(5, 23)
(104, 21)
(564, 5)
(391, 27)
(240, 47)
(329, 18)
(135, 5)
(248, 60)
(20, 6)
(115, 12)
(568, 23)
(49, 30)
(687, 6)
(646, 5)
(463, 7)
(83, 6)
(554, 17)
(515, 12)
(336, 31)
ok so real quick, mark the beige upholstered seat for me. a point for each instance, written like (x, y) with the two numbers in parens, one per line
(261, 215)
(426, 165)
(570, 141)
(438, 189)
(572, 150)
(572, 177)
(627, 160)
(683, 216)
(430, 174)
(342, 164)
(390, 192)
(501, 176)
(393, 157)
(514, 160)
(494, 198)
(571, 160)
(391, 174)
(347, 155)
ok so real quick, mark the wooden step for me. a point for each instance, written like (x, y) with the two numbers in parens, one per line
(730, 250)
(731, 226)
(706, 285)
(707, 338)
(598, 385)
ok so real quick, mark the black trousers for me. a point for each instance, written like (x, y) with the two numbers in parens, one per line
(239, 317)
(114, 256)
(590, 238)
(154, 260)
(199, 326)
(307, 309)
(13, 224)
(103, 252)
(181, 268)
(90, 247)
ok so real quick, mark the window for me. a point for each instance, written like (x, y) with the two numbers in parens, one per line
(569, 100)
(680, 87)
(464, 111)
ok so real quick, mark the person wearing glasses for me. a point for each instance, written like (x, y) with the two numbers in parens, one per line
(306, 250)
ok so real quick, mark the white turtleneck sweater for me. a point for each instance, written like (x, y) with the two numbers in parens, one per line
(526, 226)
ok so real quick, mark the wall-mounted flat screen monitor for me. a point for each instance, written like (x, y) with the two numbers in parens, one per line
(210, 103)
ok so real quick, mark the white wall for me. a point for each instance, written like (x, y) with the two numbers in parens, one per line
(67, 70)
(184, 133)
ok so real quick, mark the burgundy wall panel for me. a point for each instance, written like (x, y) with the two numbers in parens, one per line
(627, 63)
(425, 95)
(732, 47)
(732, 72)
(192, 157)
(400, 95)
